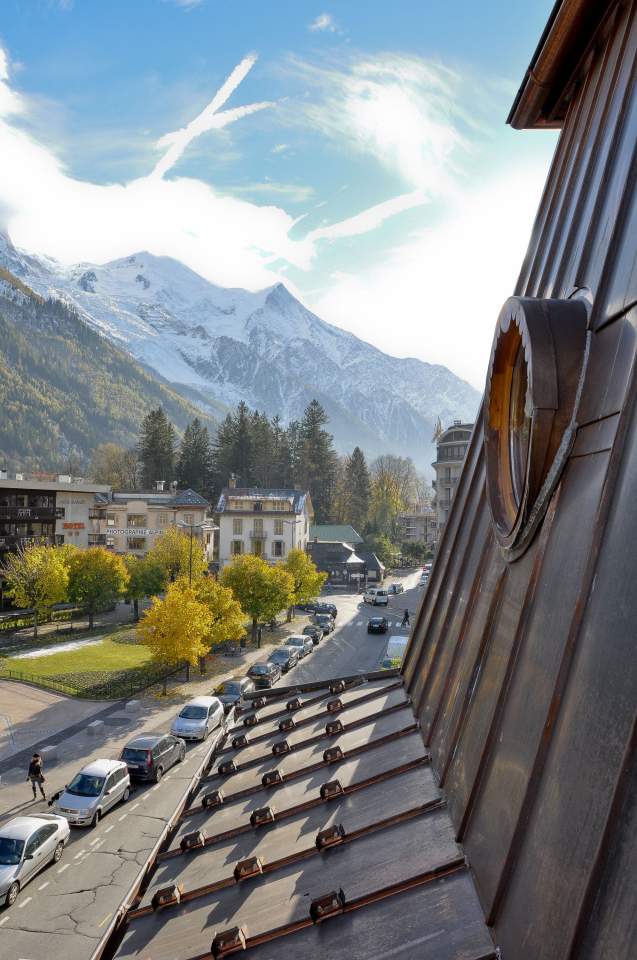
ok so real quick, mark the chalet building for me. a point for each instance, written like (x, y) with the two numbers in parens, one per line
(266, 522)
(130, 522)
(451, 450)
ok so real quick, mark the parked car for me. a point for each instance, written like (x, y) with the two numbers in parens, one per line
(27, 845)
(377, 596)
(232, 692)
(264, 674)
(377, 625)
(148, 757)
(93, 791)
(324, 621)
(395, 588)
(316, 633)
(330, 608)
(285, 657)
(303, 644)
(308, 606)
(198, 718)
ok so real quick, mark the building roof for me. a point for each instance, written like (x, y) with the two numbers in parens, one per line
(155, 498)
(57, 486)
(371, 560)
(298, 498)
(552, 76)
(335, 531)
(340, 847)
(330, 552)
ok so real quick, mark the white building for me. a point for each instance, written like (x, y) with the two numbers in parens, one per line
(451, 449)
(268, 523)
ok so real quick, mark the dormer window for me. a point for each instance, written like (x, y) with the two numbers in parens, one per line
(258, 506)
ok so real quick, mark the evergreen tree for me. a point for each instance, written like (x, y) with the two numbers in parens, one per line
(282, 469)
(317, 460)
(194, 465)
(261, 474)
(358, 483)
(156, 448)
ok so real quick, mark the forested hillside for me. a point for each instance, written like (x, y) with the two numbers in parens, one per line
(64, 388)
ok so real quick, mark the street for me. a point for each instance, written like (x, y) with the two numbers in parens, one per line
(66, 910)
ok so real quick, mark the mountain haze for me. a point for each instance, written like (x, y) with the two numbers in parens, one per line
(217, 346)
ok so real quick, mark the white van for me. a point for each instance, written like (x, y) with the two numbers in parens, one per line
(378, 596)
(394, 652)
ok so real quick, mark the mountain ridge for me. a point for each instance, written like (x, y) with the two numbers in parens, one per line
(223, 345)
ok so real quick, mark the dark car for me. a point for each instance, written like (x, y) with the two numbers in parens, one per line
(377, 625)
(326, 608)
(309, 606)
(264, 674)
(314, 632)
(148, 758)
(232, 692)
(285, 658)
(324, 621)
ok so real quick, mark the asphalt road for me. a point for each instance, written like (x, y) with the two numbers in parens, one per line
(64, 912)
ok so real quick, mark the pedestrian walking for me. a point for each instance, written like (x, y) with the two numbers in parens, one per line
(405, 622)
(36, 775)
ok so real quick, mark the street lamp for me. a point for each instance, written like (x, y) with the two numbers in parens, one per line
(203, 525)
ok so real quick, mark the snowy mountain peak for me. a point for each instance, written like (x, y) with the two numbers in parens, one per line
(224, 345)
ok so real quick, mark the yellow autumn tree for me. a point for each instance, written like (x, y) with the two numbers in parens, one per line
(175, 629)
(178, 554)
(228, 619)
(97, 579)
(307, 579)
(37, 578)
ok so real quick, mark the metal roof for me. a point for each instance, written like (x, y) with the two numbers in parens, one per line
(320, 829)
(297, 498)
(339, 532)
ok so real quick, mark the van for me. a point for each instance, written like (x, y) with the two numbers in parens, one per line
(394, 652)
(92, 792)
(378, 596)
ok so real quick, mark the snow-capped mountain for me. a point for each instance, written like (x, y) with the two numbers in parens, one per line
(220, 346)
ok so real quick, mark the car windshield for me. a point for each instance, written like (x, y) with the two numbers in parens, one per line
(194, 713)
(308, 631)
(135, 754)
(296, 642)
(84, 785)
(10, 851)
(322, 617)
(232, 687)
(260, 668)
(279, 655)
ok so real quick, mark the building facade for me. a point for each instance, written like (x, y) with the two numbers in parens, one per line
(451, 450)
(265, 522)
(419, 525)
(130, 522)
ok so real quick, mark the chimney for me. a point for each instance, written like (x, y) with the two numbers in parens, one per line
(159, 485)
(232, 482)
(3, 475)
(19, 476)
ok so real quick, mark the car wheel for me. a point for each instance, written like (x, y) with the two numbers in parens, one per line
(126, 795)
(97, 816)
(182, 755)
(205, 734)
(158, 774)
(12, 894)
(57, 853)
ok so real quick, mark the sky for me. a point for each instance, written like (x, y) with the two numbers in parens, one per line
(356, 151)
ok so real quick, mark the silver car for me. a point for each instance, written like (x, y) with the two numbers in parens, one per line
(93, 791)
(304, 645)
(27, 845)
(198, 718)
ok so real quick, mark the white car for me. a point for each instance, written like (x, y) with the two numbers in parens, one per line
(27, 845)
(93, 791)
(198, 718)
(377, 596)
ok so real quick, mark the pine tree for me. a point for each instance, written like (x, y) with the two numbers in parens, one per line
(156, 448)
(317, 460)
(358, 482)
(194, 465)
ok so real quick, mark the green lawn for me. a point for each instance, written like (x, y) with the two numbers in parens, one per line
(90, 670)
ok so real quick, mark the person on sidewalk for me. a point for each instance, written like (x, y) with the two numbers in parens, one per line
(405, 622)
(36, 775)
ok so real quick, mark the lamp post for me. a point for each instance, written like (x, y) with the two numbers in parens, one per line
(192, 526)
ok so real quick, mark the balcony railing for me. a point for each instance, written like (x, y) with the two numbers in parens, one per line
(258, 534)
(97, 539)
(31, 513)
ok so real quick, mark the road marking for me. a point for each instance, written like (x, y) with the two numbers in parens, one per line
(4, 920)
(123, 817)
(65, 867)
(135, 806)
(99, 844)
(44, 885)
(93, 842)
(156, 788)
(108, 829)
(78, 855)
(102, 922)
(23, 903)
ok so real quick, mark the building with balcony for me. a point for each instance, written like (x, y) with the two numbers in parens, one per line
(265, 522)
(418, 525)
(129, 522)
(451, 449)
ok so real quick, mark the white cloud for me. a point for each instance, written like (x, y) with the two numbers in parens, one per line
(324, 22)
(209, 118)
(438, 294)
(279, 148)
(369, 219)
